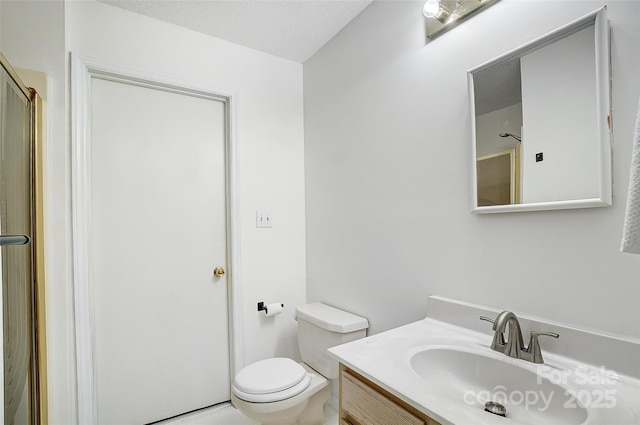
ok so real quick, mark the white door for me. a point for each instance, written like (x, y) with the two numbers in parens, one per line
(158, 214)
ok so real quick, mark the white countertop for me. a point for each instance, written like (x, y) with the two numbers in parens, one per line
(384, 359)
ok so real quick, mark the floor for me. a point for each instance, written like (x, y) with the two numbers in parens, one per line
(226, 414)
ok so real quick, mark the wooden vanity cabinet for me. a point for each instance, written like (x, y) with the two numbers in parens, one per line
(364, 403)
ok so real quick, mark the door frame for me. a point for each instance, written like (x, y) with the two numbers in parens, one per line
(83, 70)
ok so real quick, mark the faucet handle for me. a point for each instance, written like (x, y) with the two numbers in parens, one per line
(534, 345)
(498, 342)
(490, 320)
(552, 334)
(487, 319)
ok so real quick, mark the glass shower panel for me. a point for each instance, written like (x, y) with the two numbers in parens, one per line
(16, 266)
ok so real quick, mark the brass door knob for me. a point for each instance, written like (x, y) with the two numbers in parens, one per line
(218, 272)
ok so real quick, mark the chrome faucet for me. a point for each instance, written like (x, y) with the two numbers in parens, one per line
(514, 345)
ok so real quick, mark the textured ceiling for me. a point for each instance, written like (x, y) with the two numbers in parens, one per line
(498, 86)
(292, 29)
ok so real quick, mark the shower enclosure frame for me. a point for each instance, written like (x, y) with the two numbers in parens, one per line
(38, 408)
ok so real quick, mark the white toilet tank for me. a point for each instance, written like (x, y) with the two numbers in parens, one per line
(320, 327)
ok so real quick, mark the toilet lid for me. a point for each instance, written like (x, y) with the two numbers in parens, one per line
(269, 376)
(277, 396)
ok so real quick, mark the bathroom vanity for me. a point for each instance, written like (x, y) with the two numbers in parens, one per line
(443, 370)
(363, 402)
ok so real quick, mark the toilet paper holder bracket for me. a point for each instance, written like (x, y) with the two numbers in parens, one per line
(263, 307)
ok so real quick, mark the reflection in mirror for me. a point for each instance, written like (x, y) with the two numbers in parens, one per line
(499, 178)
(540, 121)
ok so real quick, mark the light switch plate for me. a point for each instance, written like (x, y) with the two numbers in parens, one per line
(263, 219)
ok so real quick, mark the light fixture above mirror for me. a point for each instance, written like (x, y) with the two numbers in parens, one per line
(442, 15)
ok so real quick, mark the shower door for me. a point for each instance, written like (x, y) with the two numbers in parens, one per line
(18, 365)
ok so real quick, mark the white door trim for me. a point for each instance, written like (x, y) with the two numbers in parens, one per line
(83, 69)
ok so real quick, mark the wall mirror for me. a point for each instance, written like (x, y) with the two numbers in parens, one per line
(540, 119)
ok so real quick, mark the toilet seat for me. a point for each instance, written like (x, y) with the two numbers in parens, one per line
(271, 380)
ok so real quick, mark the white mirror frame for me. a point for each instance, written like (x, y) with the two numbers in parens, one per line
(603, 99)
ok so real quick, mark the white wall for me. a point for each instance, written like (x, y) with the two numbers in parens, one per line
(270, 151)
(270, 147)
(387, 157)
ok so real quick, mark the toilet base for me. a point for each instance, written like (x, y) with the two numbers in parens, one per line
(314, 413)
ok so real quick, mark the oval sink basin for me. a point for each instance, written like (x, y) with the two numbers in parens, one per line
(472, 378)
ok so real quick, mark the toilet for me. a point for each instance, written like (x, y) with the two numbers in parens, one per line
(280, 391)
